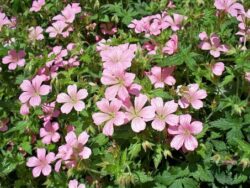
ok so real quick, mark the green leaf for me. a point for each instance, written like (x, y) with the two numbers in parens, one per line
(142, 177)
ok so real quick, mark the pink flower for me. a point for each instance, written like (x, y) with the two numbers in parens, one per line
(37, 5)
(73, 150)
(247, 76)
(73, 99)
(160, 76)
(49, 111)
(212, 44)
(3, 20)
(108, 28)
(192, 95)
(49, 134)
(118, 83)
(118, 58)
(32, 91)
(229, 6)
(14, 59)
(25, 109)
(176, 22)
(183, 133)
(58, 28)
(171, 46)
(4, 125)
(151, 47)
(67, 16)
(78, 144)
(110, 115)
(36, 33)
(138, 114)
(218, 68)
(164, 113)
(75, 184)
(41, 163)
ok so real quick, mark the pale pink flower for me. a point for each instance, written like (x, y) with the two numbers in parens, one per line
(75, 184)
(218, 68)
(171, 46)
(33, 90)
(118, 83)
(41, 163)
(4, 125)
(73, 150)
(212, 44)
(37, 5)
(118, 58)
(49, 111)
(247, 76)
(67, 16)
(135, 89)
(3, 20)
(192, 95)
(176, 21)
(229, 6)
(110, 115)
(73, 99)
(49, 132)
(155, 28)
(58, 28)
(25, 109)
(71, 62)
(108, 28)
(183, 133)
(160, 76)
(36, 33)
(78, 144)
(151, 47)
(14, 59)
(138, 114)
(164, 113)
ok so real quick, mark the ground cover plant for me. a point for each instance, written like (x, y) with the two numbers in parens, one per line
(124, 93)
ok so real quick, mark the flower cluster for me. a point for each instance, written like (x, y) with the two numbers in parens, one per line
(63, 22)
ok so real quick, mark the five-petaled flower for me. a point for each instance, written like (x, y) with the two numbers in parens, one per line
(73, 99)
(183, 133)
(41, 163)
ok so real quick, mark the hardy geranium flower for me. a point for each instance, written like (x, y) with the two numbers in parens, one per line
(33, 90)
(36, 33)
(138, 114)
(68, 13)
(212, 44)
(110, 115)
(118, 58)
(48, 132)
(14, 59)
(73, 99)
(118, 83)
(171, 46)
(183, 133)
(75, 184)
(229, 6)
(73, 150)
(49, 111)
(160, 76)
(3, 20)
(218, 68)
(41, 163)
(37, 5)
(192, 95)
(164, 113)
(58, 28)
(176, 21)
